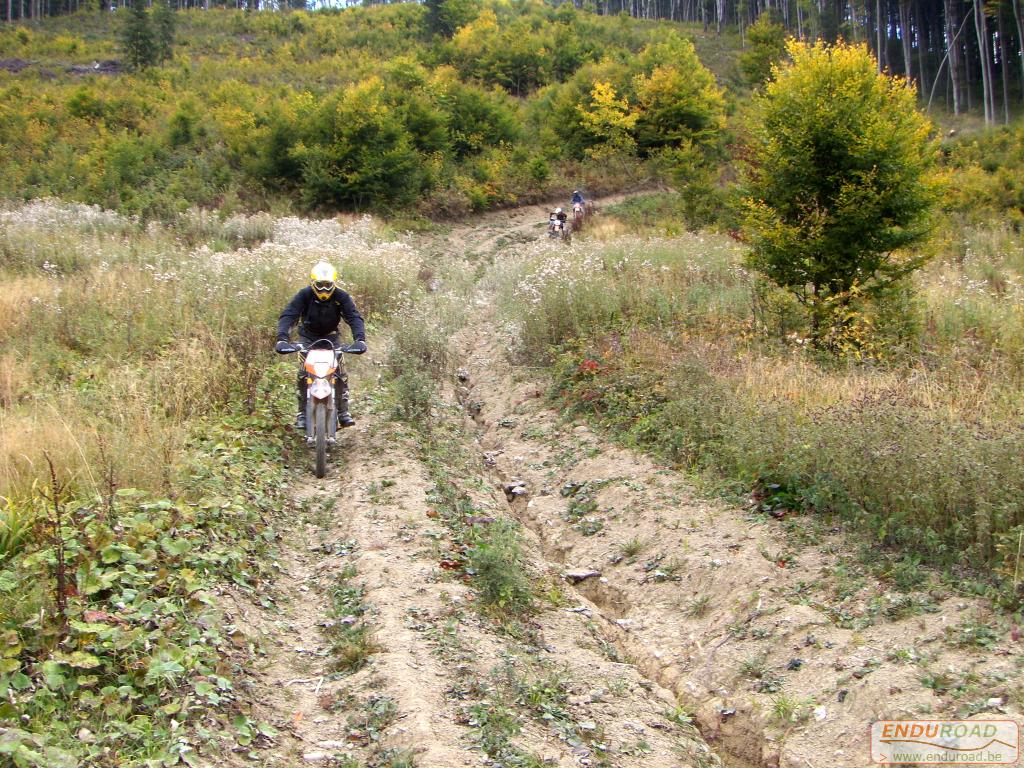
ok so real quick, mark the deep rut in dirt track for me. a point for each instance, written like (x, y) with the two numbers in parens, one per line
(437, 666)
(660, 601)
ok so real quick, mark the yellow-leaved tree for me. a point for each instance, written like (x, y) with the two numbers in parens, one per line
(609, 119)
(838, 186)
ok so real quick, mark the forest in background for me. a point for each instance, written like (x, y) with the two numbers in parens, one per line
(368, 108)
(405, 109)
(966, 55)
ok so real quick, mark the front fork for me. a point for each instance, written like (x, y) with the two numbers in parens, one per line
(336, 394)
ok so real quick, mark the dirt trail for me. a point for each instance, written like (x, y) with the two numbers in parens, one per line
(443, 685)
(784, 658)
(689, 606)
(396, 702)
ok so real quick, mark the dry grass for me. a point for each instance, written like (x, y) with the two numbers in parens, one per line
(916, 436)
(108, 360)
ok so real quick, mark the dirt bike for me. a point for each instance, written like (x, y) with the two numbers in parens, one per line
(559, 229)
(322, 362)
(577, 213)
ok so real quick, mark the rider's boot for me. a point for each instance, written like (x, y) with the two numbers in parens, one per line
(341, 398)
(300, 416)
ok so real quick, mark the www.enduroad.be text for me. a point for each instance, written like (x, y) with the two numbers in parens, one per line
(980, 757)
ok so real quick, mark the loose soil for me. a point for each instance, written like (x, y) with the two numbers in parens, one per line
(763, 630)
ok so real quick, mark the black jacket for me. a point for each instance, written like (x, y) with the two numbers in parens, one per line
(320, 318)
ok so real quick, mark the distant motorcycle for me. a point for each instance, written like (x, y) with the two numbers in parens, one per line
(577, 213)
(558, 229)
(322, 363)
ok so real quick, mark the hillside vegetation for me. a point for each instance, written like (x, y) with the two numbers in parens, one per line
(363, 109)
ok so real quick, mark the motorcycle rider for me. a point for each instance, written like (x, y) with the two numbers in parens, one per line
(577, 197)
(320, 307)
(557, 215)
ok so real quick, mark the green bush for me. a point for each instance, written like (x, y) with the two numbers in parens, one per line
(766, 47)
(837, 186)
(498, 568)
(357, 153)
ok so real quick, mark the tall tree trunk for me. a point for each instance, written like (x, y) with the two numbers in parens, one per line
(879, 45)
(1004, 66)
(981, 29)
(953, 53)
(968, 79)
(923, 44)
(1019, 19)
(905, 38)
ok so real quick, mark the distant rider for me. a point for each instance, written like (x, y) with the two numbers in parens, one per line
(577, 197)
(320, 307)
(557, 215)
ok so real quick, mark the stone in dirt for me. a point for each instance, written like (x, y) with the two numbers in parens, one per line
(514, 489)
(582, 574)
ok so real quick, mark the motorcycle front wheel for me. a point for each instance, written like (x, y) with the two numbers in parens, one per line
(320, 430)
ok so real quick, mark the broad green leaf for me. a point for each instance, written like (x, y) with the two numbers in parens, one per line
(267, 730)
(171, 708)
(175, 547)
(53, 674)
(78, 660)
(20, 681)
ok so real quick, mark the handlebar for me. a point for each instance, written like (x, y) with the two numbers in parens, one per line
(288, 348)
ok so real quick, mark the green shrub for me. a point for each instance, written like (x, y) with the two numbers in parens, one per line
(766, 47)
(498, 568)
(837, 186)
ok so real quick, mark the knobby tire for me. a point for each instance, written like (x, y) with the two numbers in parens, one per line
(320, 430)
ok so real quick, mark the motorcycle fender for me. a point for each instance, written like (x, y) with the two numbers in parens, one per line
(320, 389)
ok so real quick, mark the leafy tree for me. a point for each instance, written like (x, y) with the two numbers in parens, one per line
(679, 103)
(766, 45)
(512, 56)
(444, 17)
(557, 109)
(611, 121)
(357, 152)
(163, 30)
(138, 45)
(838, 181)
(475, 118)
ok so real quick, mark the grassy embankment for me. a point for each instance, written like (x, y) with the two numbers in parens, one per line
(914, 435)
(138, 366)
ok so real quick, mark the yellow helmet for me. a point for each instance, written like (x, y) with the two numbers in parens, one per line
(323, 280)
